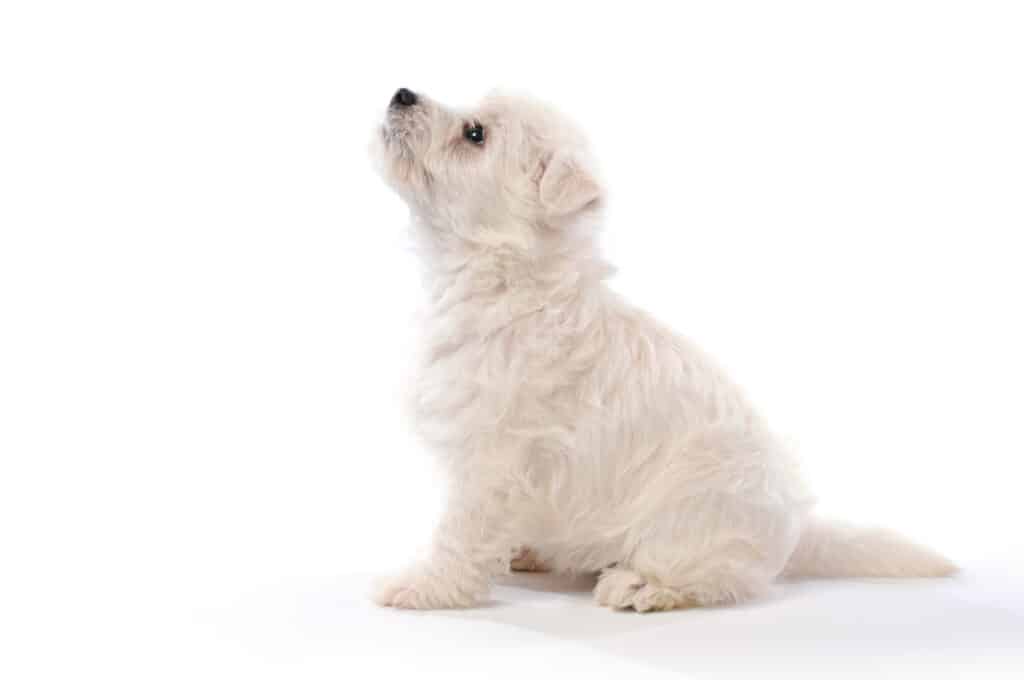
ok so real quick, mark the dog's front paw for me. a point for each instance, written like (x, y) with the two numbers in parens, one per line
(418, 588)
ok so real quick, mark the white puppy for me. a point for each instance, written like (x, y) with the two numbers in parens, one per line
(567, 420)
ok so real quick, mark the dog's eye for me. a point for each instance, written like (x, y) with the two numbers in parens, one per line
(474, 133)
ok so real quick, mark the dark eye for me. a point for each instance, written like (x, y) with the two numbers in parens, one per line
(474, 132)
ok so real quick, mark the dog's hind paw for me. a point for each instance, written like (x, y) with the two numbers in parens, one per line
(624, 589)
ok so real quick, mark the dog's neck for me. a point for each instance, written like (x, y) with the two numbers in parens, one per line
(465, 277)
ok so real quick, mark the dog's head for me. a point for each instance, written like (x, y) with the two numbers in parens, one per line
(511, 172)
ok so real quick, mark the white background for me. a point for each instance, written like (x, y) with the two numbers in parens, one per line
(206, 306)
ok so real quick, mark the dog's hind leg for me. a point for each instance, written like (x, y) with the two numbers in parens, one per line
(680, 564)
(715, 583)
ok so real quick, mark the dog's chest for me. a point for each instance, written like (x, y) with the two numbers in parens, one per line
(495, 388)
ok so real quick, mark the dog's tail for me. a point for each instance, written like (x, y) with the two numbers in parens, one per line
(831, 549)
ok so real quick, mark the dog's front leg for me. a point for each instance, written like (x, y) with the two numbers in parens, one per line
(471, 545)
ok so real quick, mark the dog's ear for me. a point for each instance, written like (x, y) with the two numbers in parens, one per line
(566, 185)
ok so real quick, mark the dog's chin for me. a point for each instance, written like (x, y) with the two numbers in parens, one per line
(390, 160)
(386, 148)
(386, 139)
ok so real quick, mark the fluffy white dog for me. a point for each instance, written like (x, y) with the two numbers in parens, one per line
(568, 421)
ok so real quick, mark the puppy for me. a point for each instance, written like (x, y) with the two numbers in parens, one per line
(568, 421)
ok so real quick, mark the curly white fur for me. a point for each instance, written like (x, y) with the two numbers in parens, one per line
(567, 420)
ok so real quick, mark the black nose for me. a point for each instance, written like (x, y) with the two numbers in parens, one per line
(403, 97)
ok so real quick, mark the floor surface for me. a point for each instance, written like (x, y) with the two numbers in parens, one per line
(547, 626)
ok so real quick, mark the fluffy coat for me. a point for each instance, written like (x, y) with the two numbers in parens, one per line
(567, 420)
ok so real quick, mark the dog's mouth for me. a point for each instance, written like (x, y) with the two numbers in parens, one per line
(387, 130)
(395, 133)
(395, 149)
